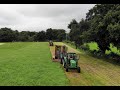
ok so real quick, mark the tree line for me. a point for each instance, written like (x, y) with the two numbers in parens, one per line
(9, 35)
(101, 25)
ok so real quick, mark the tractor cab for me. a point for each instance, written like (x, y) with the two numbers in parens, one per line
(71, 56)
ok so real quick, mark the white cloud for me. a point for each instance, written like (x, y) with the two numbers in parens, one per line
(37, 17)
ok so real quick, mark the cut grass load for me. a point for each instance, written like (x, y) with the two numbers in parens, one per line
(29, 64)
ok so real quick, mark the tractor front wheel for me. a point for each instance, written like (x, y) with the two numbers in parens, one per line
(78, 69)
(61, 61)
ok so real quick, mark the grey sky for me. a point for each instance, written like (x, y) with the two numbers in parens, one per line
(37, 17)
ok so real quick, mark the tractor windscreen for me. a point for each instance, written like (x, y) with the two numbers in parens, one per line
(72, 56)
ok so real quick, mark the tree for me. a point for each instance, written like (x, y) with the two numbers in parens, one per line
(112, 22)
(61, 36)
(55, 34)
(40, 36)
(49, 34)
(74, 32)
(23, 36)
(83, 26)
(6, 35)
(9, 35)
(16, 33)
(99, 32)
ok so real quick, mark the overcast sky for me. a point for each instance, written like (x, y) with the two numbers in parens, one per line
(37, 17)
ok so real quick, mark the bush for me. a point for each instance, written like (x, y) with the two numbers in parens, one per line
(113, 56)
(96, 53)
(84, 47)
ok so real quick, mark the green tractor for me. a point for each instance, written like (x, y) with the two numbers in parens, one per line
(70, 61)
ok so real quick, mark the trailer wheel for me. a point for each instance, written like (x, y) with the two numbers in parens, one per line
(55, 57)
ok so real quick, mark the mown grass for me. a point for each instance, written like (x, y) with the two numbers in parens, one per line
(29, 64)
(95, 72)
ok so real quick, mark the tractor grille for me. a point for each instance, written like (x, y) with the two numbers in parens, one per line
(72, 63)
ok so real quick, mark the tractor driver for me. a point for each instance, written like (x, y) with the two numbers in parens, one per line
(70, 57)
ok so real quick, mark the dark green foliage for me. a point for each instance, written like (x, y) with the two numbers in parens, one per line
(8, 35)
(84, 47)
(40, 36)
(76, 30)
(105, 25)
(102, 25)
(49, 34)
(114, 56)
(55, 34)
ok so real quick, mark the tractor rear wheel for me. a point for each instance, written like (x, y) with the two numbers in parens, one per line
(66, 69)
(78, 69)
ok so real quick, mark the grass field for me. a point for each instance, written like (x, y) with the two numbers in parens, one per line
(94, 46)
(29, 64)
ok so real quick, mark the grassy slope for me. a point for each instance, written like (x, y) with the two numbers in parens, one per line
(95, 72)
(29, 64)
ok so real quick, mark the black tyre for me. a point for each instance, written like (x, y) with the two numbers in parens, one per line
(61, 61)
(55, 57)
(66, 69)
(78, 69)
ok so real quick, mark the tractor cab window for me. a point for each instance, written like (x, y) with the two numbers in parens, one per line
(74, 57)
(71, 56)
